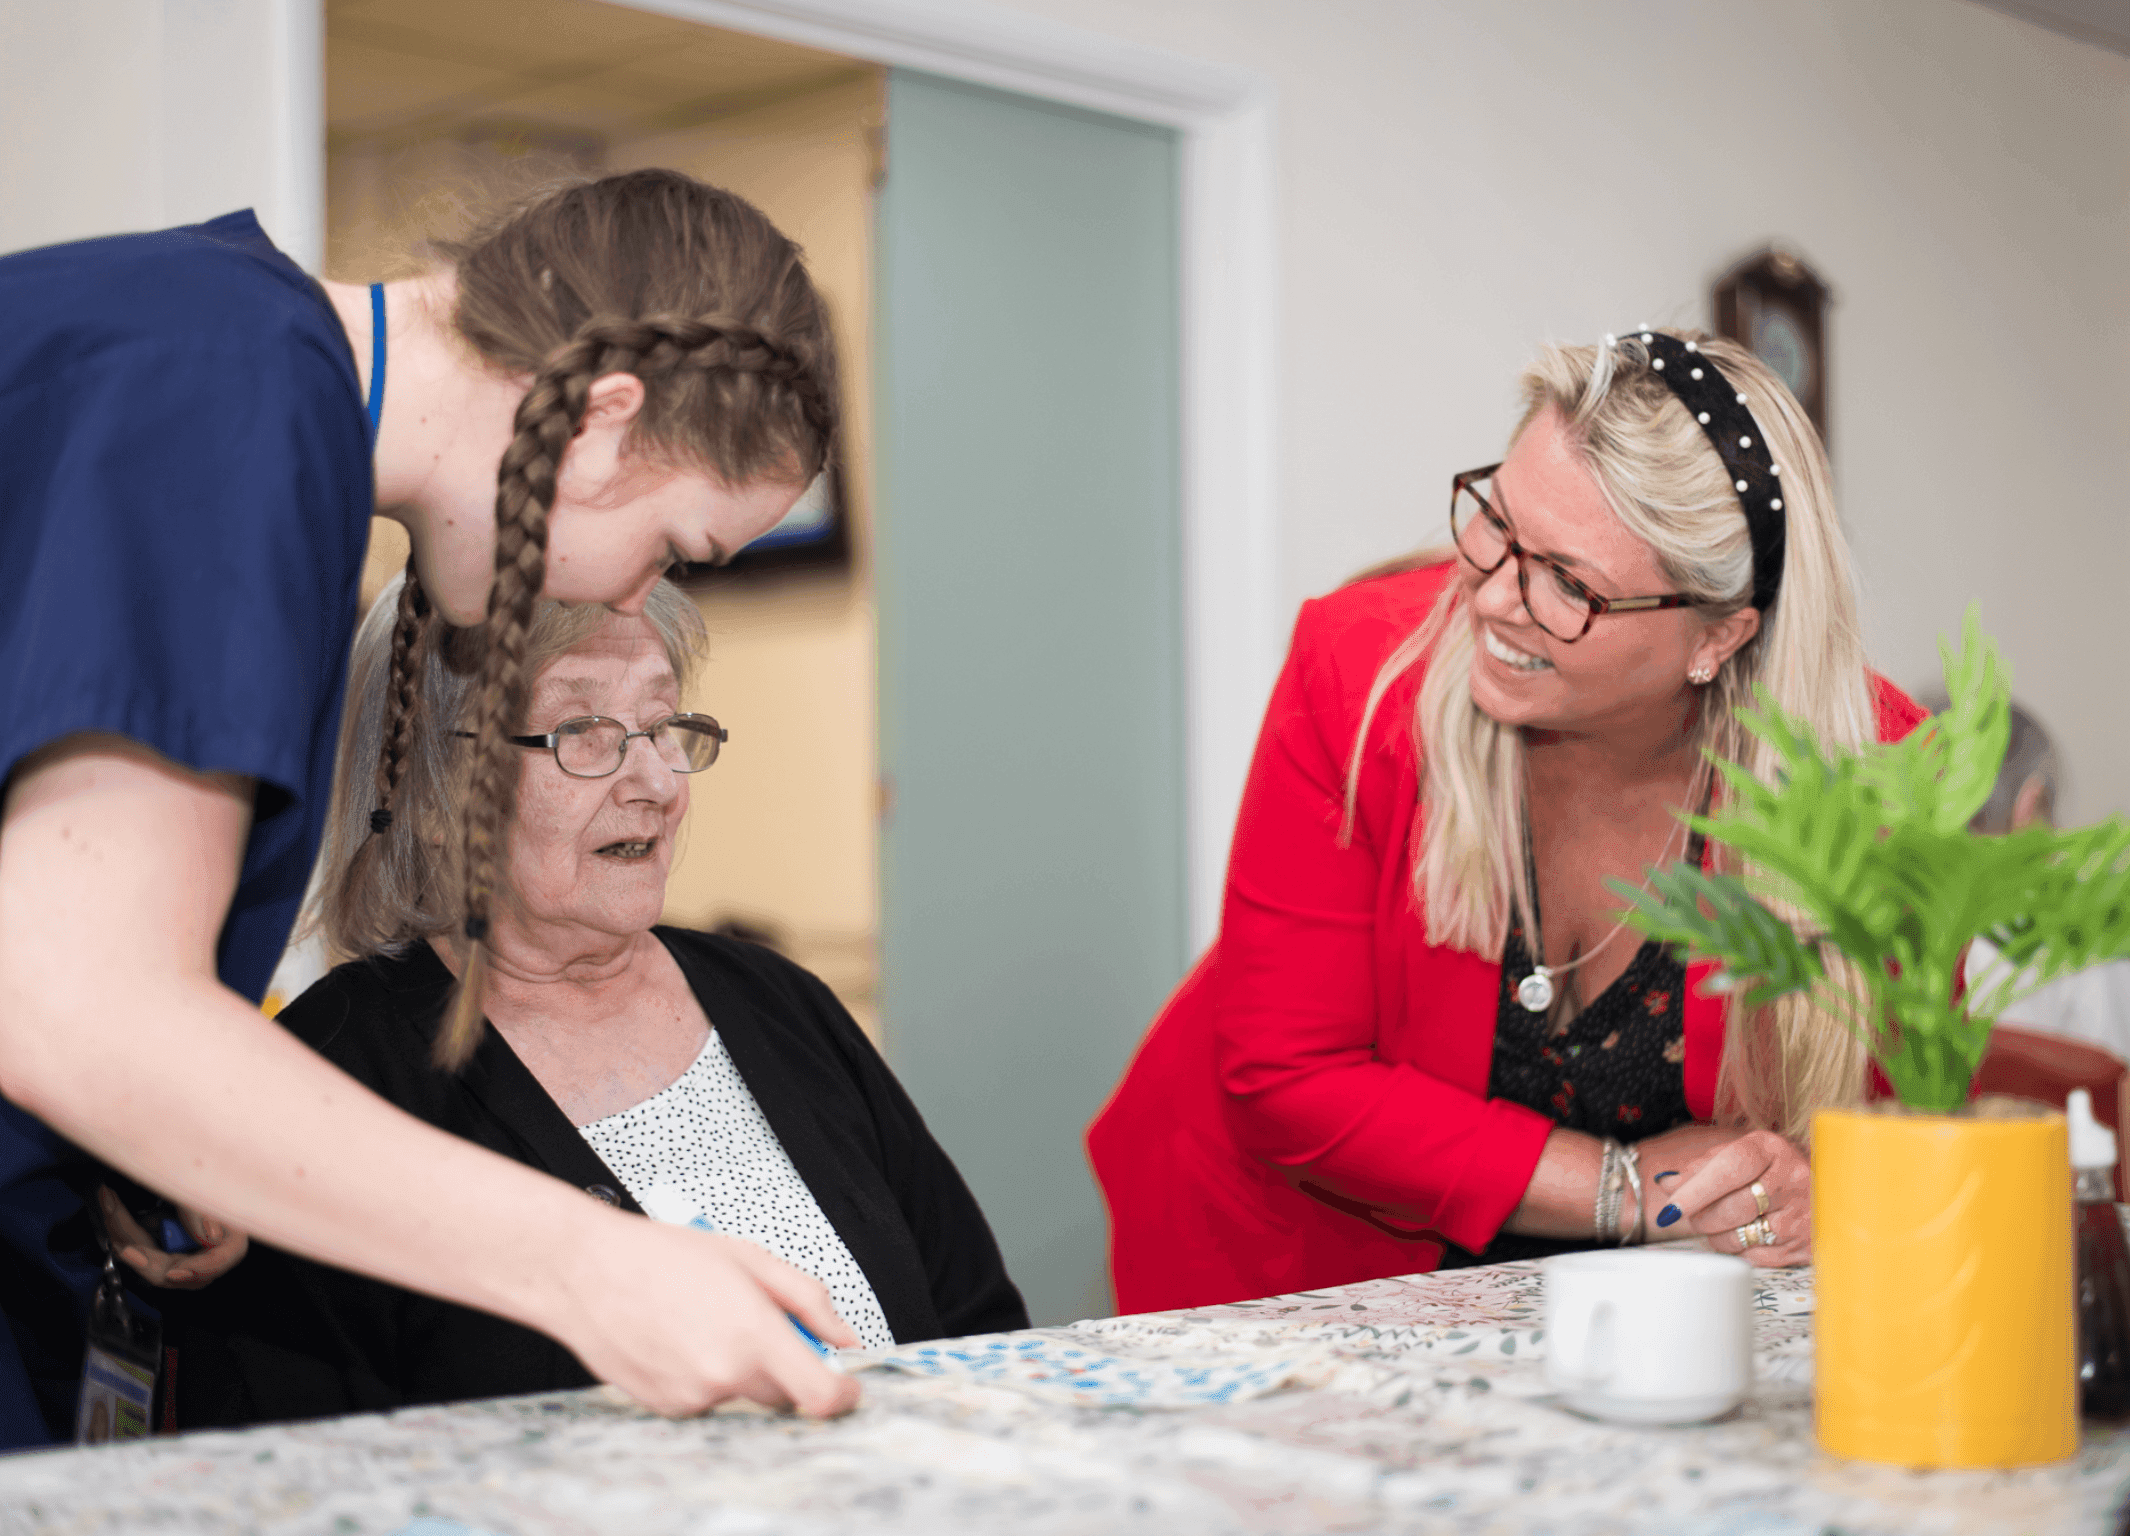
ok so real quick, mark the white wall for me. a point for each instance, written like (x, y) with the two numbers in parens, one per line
(135, 114)
(1460, 181)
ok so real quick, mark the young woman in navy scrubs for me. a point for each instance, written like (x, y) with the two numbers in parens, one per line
(193, 438)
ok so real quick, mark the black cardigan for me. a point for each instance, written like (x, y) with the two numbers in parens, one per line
(281, 1337)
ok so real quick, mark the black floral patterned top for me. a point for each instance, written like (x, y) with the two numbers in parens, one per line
(1615, 1069)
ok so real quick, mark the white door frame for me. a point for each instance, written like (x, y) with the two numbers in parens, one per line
(1232, 639)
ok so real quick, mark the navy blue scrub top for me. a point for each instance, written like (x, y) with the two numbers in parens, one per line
(185, 502)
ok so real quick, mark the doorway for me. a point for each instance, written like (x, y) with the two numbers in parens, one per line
(985, 855)
(1031, 641)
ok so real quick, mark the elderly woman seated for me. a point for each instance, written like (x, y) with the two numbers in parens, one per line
(648, 1066)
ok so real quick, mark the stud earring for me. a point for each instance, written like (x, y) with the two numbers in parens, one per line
(1701, 675)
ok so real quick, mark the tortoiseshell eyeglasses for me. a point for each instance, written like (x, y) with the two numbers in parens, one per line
(1558, 603)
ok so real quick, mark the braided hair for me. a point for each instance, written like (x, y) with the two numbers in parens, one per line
(697, 294)
(409, 631)
(410, 640)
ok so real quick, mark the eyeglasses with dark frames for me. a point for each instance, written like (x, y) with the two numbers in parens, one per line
(1558, 603)
(593, 746)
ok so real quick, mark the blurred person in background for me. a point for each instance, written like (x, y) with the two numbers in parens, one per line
(2092, 1005)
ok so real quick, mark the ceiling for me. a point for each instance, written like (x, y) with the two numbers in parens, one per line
(2105, 22)
(399, 67)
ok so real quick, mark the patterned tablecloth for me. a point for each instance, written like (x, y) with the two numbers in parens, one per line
(1410, 1405)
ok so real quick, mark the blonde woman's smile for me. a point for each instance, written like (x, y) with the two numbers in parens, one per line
(1508, 655)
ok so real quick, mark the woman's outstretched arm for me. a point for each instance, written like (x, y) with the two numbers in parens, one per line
(116, 870)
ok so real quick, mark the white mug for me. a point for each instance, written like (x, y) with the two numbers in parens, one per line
(1649, 1336)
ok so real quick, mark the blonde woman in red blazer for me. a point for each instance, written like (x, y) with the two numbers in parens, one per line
(1421, 1037)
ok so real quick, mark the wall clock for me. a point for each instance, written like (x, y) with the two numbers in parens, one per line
(1775, 304)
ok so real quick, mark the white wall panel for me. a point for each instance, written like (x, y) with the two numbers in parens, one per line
(132, 114)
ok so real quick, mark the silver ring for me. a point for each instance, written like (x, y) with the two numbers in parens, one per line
(1755, 1234)
(1760, 1198)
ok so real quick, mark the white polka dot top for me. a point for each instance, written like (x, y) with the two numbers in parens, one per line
(704, 1135)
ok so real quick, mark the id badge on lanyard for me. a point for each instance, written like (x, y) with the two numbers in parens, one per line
(119, 1369)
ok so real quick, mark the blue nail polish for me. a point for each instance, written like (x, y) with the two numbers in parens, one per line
(1669, 1173)
(1667, 1216)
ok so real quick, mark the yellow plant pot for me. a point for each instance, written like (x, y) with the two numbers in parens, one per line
(1945, 1330)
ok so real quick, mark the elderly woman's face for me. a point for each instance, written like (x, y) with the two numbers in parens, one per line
(594, 853)
(1626, 662)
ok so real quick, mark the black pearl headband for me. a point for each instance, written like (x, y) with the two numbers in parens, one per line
(1721, 409)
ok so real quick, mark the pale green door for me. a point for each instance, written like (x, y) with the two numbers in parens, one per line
(1030, 641)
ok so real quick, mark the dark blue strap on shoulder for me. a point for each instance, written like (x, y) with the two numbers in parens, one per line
(377, 357)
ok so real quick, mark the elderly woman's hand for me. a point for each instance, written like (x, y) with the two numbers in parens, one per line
(220, 1248)
(1759, 1176)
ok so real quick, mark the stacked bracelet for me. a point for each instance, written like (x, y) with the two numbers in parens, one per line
(1609, 1182)
(1631, 1167)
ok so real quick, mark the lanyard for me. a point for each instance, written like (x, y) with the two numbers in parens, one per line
(377, 358)
(121, 1367)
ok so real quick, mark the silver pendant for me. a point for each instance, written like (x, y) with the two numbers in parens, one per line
(1535, 991)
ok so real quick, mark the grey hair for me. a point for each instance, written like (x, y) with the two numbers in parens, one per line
(2029, 756)
(380, 891)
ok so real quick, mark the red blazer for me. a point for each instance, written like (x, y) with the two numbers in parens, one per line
(1311, 1106)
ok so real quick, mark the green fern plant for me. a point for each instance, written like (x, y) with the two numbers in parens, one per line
(1872, 850)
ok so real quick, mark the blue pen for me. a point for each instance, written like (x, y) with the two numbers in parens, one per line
(805, 1332)
(662, 1202)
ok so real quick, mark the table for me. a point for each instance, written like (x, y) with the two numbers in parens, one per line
(1407, 1405)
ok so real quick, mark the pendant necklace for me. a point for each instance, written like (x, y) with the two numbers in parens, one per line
(1536, 991)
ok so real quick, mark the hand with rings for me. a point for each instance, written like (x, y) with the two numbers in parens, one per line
(1751, 1196)
(1757, 1233)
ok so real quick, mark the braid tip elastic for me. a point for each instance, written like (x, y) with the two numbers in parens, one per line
(380, 821)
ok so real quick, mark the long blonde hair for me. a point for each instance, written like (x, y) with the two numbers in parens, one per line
(1664, 481)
